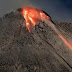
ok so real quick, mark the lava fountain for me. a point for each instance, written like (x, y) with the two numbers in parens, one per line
(33, 16)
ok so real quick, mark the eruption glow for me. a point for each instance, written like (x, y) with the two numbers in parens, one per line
(67, 42)
(33, 15)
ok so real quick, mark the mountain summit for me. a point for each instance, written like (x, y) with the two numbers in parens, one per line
(41, 50)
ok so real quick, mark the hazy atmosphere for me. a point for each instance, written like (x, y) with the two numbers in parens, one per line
(31, 41)
(60, 10)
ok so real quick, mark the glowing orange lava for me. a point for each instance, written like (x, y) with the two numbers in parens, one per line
(67, 42)
(33, 16)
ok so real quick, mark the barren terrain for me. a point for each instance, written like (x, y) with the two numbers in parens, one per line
(39, 51)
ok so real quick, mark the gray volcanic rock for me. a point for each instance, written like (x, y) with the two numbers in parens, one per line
(39, 51)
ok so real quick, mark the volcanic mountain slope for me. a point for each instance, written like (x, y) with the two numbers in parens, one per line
(39, 51)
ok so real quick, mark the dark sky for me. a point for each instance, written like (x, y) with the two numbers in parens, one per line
(60, 10)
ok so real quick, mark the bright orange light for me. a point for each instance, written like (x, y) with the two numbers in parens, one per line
(67, 42)
(33, 16)
(28, 26)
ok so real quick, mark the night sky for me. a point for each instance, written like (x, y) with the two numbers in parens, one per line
(59, 10)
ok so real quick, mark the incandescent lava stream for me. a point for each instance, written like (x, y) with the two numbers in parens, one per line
(33, 16)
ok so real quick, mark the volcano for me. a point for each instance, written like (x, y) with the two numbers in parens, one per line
(40, 50)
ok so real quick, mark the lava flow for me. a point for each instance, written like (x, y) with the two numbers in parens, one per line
(67, 42)
(33, 15)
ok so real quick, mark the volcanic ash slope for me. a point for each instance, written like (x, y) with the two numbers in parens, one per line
(39, 51)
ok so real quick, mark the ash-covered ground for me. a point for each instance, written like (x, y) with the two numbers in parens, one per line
(39, 51)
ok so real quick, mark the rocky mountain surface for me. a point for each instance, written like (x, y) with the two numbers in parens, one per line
(39, 51)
